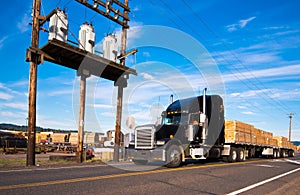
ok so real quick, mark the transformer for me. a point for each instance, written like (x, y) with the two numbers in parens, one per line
(87, 37)
(58, 26)
(110, 47)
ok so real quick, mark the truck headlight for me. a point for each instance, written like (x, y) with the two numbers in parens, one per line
(160, 142)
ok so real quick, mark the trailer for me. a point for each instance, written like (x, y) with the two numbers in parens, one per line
(195, 128)
(243, 140)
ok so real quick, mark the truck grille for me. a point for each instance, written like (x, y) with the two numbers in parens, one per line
(144, 137)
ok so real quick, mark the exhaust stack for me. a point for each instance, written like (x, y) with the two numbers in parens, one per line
(204, 101)
(203, 118)
(171, 99)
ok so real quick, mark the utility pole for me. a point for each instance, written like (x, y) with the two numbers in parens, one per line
(81, 119)
(290, 127)
(121, 84)
(34, 61)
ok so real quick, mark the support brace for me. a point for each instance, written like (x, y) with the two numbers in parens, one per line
(34, 55)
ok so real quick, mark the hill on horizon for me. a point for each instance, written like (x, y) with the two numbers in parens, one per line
(13, 127)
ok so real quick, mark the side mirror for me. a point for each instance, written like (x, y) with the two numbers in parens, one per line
(164, 114)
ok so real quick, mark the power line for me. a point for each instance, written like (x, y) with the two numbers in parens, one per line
(234, 55)
(241, 73)
(282, 105)
(208, 44)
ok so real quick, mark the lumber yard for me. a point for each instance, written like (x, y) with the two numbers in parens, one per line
(195, 128)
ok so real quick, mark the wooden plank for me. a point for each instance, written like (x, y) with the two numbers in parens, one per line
(234, 136)
(248, 137)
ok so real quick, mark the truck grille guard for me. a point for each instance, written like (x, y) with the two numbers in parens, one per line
(144, 137)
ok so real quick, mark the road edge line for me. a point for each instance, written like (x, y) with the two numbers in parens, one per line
(262, 182)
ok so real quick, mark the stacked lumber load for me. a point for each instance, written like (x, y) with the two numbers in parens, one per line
(282, 141)
(273, 142)
(236, 131)
(292, 146)
(73, 138)
(239, 132)
(91, 138)
(58, 137)
(265, 137)
(39, 137)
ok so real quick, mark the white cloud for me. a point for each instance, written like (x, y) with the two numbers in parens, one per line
(256, 58)
(23, 25)
(270, 72)
(275, 27)
(241, 24)
(5, 96)
(146, 54)
(2, 41)
(242, 107)
(61, 92)
(56, 124)
(286, 32)
(273, 93)
(135, 9)
(20, 83)
(100, 106)
(108, 114)
(248, 113)
(9, 90)
(16, 105)
(147, 76)
(7, 114)
(250, 93)
(235, 94)
(14, 115)
(285, 94)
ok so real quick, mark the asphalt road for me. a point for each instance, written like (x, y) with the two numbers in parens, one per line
(258, 176)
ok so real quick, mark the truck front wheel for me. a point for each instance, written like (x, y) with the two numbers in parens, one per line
(173, 157)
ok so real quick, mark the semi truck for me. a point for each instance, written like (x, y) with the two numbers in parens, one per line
(195, 128)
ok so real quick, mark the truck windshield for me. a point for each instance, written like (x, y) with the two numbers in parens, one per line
(175, 119)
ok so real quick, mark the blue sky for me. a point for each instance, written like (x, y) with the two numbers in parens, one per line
(246, 51)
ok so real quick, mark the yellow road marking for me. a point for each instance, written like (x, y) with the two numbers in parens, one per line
(120, 175)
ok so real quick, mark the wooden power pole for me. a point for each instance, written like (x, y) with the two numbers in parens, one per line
(121, 83)
(114, 14)
(290, 127)
(83, 77)
(34, 61)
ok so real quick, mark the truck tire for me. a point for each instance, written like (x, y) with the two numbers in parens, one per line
(240, 155)
(282, 154)
(291, 153)
(275, 154)
(232, 156)
(173, 157)
(140, 162)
